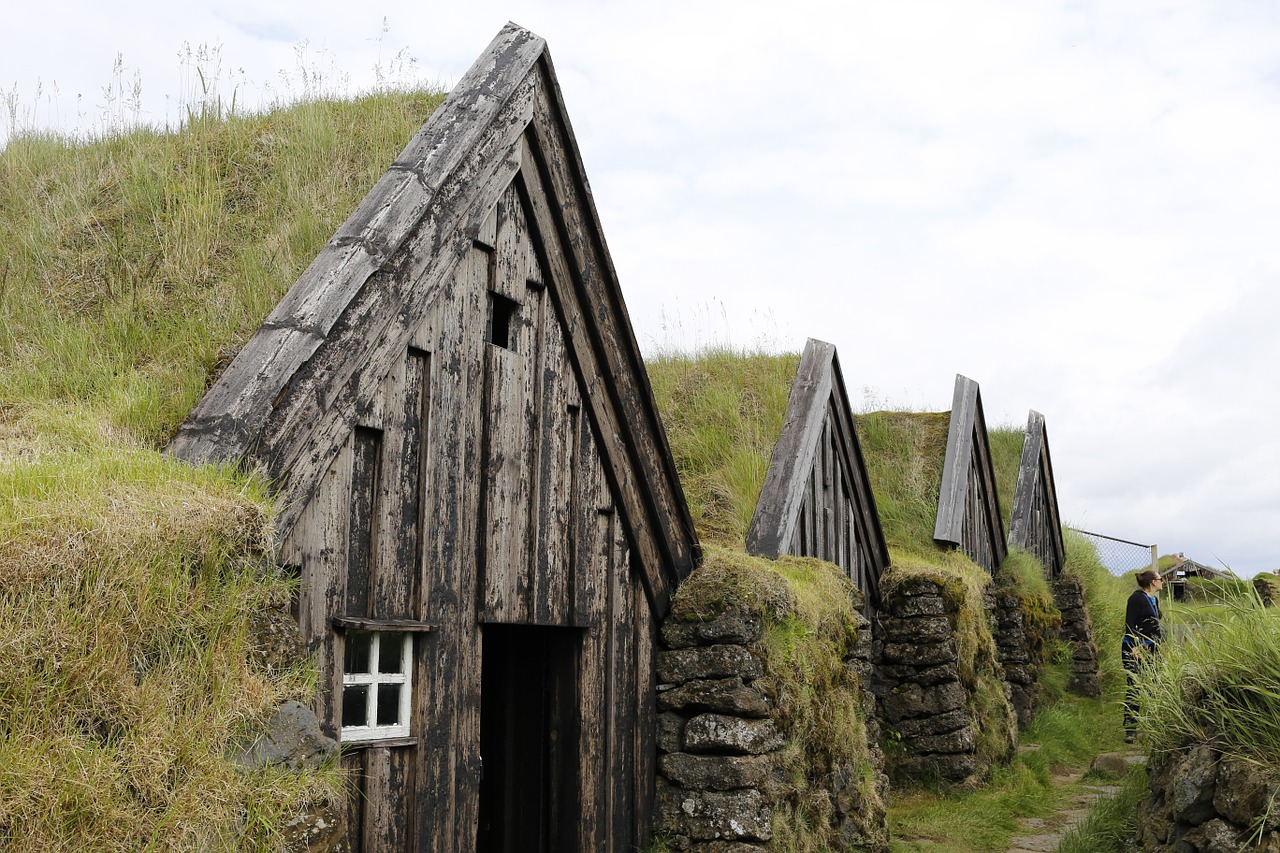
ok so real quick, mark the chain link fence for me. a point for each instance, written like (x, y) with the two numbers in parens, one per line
(1120, 556)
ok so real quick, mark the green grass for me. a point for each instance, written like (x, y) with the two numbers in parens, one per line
(1219, 680)
(128, 670)
(723, 411)
(1064, 737)
(132, 266)
(904, 453)
(1111, 822)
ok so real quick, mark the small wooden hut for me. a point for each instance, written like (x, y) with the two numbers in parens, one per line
(1035, 525)
(816, 500)
(475, 486)
(968, 506)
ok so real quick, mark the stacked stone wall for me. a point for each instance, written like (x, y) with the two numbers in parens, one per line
(923, 703)
(720, 744)
(717, 741)
(1203, 802)
(1077, 632)
(1013, 645)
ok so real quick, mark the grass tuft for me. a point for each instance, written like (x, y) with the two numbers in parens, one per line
(1218, 680)
(128, 583)
(723, 411)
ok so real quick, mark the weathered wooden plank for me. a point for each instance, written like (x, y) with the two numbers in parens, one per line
(395, 568)
(387, 800)
(993, 522)
(556, 419)
(318, 544)
(597, 530)
(955, 465)
(646, 710)
(504, 511)
(786, 481)
(450, 677)
(621, 701)
(350, 623)
(366, 464)
(352, 764)
(1035, 524)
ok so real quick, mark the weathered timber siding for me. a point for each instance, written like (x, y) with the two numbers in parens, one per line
(471, 442)
(968, 506)
(1035, 525)
(816, 500)
(454, 410)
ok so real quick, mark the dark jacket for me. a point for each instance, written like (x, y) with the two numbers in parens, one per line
(1142, 620)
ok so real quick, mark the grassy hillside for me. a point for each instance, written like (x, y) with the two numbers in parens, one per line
(131, 268)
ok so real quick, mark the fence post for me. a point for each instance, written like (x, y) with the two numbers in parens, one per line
(1155, 559)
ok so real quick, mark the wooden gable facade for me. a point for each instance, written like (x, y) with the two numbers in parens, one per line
(968, 506)
(1035, 525)
(475, 486)
(816, 500)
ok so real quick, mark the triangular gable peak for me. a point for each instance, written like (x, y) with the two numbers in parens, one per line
(499, 146)
(816, 500)
(1035, 526)
(968, 507)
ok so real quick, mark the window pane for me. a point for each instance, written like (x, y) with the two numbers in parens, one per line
(389, 652)
(355, 705)
(357, 651)
(388, 704)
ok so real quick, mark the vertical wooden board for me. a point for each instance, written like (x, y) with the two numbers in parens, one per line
(646, 710)
(596, 526)
(557, 429)
(453, 337)
(813, 512)
(839, 514)
(828, 494)
(448, 768)
(463, 688)
(352, 764)
(621, 701)
(533, 333)
(511, 261)
(318, 543)
(505, 487)
(396, 551)
(388, 800)
(366, 466)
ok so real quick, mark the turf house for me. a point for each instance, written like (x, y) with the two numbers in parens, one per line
(477, 491)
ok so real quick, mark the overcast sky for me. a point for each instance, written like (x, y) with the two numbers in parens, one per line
(1076, 204)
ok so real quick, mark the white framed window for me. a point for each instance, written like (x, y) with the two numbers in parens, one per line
(377, 684)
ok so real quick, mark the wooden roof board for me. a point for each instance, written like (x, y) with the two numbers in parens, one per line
(298, 386)
(968, 470)
(818, 401)
(1028, 529)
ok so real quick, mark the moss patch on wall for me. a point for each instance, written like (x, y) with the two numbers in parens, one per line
(963, 585)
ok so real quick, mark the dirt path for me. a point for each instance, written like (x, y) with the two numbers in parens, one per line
(1045, 834)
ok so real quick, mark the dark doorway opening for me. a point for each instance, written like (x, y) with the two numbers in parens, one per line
(529, 791)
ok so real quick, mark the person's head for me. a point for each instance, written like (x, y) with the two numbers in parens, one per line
(1148, 578)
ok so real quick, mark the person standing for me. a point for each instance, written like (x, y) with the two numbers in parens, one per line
(1142, 635)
